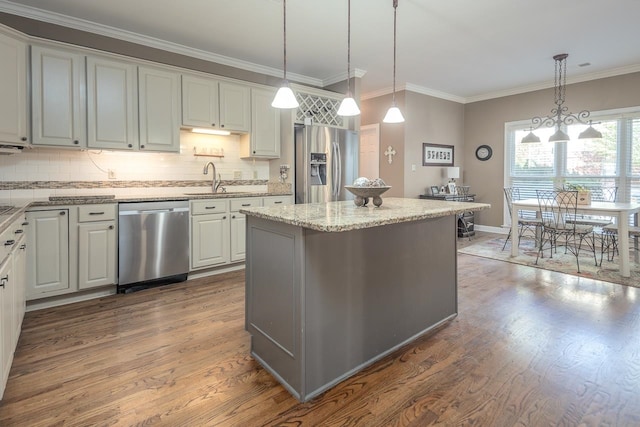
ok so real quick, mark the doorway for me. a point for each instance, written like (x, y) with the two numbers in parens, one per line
(369, 151)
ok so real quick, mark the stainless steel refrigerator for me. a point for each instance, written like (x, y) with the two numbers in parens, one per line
(326, 161)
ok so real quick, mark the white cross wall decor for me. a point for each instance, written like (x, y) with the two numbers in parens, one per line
(389, 153)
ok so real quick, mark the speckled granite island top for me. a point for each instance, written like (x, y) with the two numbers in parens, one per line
(346, 216)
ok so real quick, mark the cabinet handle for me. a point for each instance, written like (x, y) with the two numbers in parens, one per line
(25, 223)
(63, 213)
(4, 280)
(96, 213)
(24, 138)
(23, 246)
(111, 227)
(75, 141)
(246, 204)
(209, 207)
(277, 203)
(9, 242)
(19, 231)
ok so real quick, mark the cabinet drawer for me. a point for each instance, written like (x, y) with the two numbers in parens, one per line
(201, 207)
(10, 237)
(238, 204)
(278, 200)
(101, 212)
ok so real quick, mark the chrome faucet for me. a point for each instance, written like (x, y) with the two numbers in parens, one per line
(215, 183)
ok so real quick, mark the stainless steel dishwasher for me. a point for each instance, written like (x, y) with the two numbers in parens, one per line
(153, 241)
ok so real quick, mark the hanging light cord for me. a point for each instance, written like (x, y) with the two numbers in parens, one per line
(395, 5)
(284, 6)
(349, 48)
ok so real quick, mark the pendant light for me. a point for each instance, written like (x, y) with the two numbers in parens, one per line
(348, 106)
(394, 115)
(284, 97)
(559, 116)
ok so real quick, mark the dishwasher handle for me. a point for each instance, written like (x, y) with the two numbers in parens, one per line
(153, 211)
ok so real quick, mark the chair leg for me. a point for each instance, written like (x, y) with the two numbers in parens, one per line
(508, 237)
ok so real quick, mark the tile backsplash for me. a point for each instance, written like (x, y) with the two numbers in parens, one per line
(56, 164)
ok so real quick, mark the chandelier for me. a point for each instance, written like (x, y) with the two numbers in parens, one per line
(560, 117)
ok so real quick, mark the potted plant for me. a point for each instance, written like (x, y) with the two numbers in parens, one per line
(584, 195)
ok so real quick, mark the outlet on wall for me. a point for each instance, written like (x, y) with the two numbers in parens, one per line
(237, 174)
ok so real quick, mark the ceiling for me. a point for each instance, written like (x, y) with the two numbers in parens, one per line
(464, 50)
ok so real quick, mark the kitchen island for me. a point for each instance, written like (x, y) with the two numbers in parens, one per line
(331, 288)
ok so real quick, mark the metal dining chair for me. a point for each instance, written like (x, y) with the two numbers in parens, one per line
(556, 206)
(532, 225)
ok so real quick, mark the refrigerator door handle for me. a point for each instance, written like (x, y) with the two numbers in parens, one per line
(339, 156)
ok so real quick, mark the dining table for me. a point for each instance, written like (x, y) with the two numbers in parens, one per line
(620, 210)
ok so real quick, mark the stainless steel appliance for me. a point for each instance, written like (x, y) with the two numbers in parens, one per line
(326, 161)
(153, 242)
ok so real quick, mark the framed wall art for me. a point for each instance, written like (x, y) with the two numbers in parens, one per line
(437, 155)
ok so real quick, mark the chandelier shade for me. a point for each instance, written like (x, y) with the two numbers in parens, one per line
(285, 98)
(560, 116)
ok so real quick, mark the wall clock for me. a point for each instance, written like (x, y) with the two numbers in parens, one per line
(484, 152)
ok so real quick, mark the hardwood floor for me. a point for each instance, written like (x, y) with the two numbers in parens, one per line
(529, 347)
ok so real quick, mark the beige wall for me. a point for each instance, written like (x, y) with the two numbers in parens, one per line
(435, 121)
(484, 124)
(373, 111)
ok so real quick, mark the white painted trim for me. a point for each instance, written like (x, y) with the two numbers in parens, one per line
(490, 229)
(410, 87)
(104, 30)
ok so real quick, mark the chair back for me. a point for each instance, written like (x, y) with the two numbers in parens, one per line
(556, 206)
(511, 194)
(604, 194)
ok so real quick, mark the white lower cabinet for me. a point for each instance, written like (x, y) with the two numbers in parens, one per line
(70, 249)
(97, 246)
(48, 253)
(12, 297)
(220, 238)
(209, 240)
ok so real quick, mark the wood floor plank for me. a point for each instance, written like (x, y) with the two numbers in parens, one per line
(528, 347)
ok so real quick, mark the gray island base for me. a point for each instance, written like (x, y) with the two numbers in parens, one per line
(331, 288)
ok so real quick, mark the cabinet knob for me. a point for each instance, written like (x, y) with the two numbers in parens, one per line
(221, 126)
(63, 213)
(111, 227)
(130, 145)
(24, 138)
(254, 151)
(142, 146)
(233, 216)
(213, 124)
(76, 142)
(224, 217)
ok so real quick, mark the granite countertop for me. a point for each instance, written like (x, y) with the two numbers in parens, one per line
(346, 216)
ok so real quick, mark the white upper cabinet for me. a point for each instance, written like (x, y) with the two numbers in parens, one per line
(159, 101)
(235, 107)
(214, 104)
(57, 97)
(264, 139)
(200, 102)
(13, 87)
(112, 113)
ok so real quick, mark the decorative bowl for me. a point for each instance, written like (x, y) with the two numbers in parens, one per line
(363, 193)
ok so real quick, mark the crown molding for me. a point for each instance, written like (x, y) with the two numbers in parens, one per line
(128, 36)
(410, 87)
(356, 72)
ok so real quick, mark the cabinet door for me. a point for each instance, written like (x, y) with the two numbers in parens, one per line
(111, 104)
(57, 98)
(20, 283)
(159, 97)
(209, 240)
(264, 140)
(96, 254)
(13, 87)
(6, 322)
(238, 233)
(47, 253)
(200, 102)
(235, 107)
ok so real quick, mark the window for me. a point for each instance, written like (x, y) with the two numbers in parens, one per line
(613, 160)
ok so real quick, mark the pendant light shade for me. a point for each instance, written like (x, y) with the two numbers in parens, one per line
(590, 133)
(394, 115)
(559, 136)
(285, 97)
(530, 138)
(348, 106)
